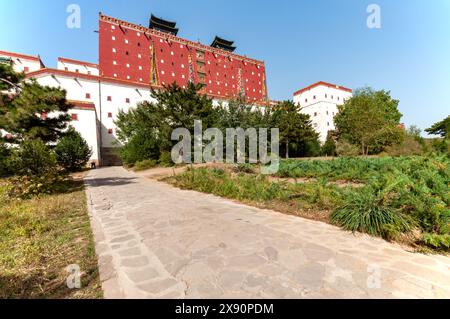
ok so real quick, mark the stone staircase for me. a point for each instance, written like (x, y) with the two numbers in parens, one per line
(110, 156)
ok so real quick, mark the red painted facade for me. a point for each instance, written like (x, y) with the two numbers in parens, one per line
(133, 53)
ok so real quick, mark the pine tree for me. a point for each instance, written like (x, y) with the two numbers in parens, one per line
(29, 110)
(295, 127)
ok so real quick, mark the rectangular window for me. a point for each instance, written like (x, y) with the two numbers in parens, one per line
(109, 114)
(201, 78)
(200, 55)
(127, 100)
(315, 113)
(76, 70)
(88, 95)
(74, 117)
(201, 67)
(109, 98)
(110, 131)
(66, 68)
(26, 69)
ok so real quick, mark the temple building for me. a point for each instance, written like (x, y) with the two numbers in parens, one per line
(156, 56)
(132, 60)
(320, 101)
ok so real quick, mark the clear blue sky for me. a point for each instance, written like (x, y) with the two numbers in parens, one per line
(301, 41)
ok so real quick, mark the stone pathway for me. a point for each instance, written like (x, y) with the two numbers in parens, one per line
(156, 241)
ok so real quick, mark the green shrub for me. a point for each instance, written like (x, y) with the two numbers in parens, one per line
(437, 241)
(36, 170)
(165, 159)
(145, 164)
(409, 146)
(32, 158)
(4, 157)
(344, 148)
(140, 147)
(72, 151)
(365, 212)
(329, 147)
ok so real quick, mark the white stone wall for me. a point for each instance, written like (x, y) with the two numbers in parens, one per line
(80, 67)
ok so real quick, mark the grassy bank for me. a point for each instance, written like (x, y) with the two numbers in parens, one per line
(39, 238)
(402, 199)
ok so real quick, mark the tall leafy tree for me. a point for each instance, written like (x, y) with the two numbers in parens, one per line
(29, 110)
(370, 120)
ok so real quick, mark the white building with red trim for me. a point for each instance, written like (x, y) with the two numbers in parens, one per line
(96, 100)
(320, 101)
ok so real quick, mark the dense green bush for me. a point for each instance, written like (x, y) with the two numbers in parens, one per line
(437, 241)
(165, 159)
(145, 164)
(72, 151)
(140, 147)
(366, 211)
(4, 155)
(329, 147)
(35, 168)
(344, 148)
(32, 158)
(412, 188)
(410, 145)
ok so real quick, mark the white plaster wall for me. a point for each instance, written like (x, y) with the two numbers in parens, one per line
(19, 64)
(86, 125)
(320, 103)
(119, 94)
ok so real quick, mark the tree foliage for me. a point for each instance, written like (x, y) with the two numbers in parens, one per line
(146, 130)
(329, 147)
(441, 128)
(32, 158)
(370, 120)
(4, 155)
(295, 128)
(72, 151)
(24, 106)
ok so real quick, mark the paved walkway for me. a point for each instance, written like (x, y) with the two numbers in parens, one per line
(155, 241)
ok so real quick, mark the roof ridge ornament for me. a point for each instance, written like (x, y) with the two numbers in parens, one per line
(223, 44)
(163, 25)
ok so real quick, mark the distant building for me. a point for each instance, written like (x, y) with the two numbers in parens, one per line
(132, 60)
(320, 101)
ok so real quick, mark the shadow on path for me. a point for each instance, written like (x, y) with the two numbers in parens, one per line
(98, 182)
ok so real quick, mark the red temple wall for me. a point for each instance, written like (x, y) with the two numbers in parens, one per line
(133, 57)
